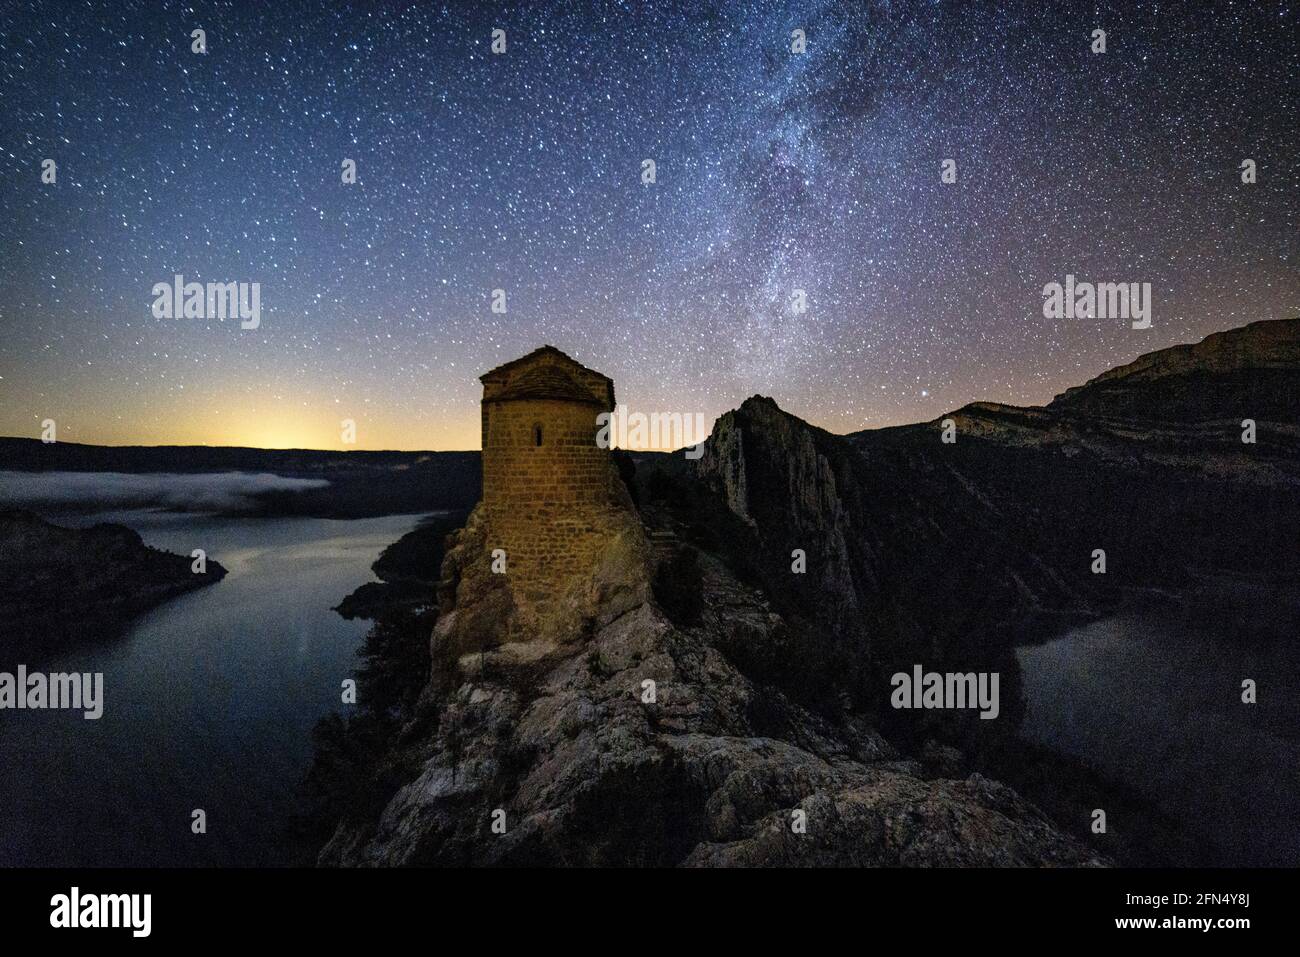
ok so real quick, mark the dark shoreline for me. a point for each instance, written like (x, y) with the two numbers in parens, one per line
(63, 586)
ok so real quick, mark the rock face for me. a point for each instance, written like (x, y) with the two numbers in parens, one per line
(795, 486)
(587, 767)
(907, 561)
(693, 696)
(1145, 462)
(59, 586)
(634, 725)
(1253, 371)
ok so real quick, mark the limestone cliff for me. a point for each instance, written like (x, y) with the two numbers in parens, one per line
(616, 735)
(1252, 371)
(792, 484)
(1145, 462)
(677, 701)
(904, 559)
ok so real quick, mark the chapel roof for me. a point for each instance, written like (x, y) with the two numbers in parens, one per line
(547, 373)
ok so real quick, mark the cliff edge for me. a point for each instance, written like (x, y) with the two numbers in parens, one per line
(625, 733)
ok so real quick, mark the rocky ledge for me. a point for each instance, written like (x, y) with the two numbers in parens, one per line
(646, 743)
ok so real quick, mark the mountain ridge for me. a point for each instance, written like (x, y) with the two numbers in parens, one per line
(1251, 371)
(773, 678)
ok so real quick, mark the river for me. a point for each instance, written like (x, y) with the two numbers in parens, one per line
(209, 702)
(1155, 701)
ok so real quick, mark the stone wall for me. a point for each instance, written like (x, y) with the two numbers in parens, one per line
(547, 505)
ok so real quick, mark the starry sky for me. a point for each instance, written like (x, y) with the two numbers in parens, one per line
(775, 171)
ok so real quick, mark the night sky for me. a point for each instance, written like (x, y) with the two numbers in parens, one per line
(775, 171)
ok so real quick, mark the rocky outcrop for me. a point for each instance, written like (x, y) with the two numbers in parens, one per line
(794, 486)
(634, 727)
(714, 694)
(897, 820)
(60, 586)
(905, 559)
(644, 743)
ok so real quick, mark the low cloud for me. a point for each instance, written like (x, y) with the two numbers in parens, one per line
(206, 492)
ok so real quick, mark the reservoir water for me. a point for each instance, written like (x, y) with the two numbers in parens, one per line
(209, 702)
(1155, 701)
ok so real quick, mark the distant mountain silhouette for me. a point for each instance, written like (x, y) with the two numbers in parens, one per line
(1249, 372)
(361, 484)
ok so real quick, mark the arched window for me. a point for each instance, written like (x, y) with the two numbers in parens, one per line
(537, 434)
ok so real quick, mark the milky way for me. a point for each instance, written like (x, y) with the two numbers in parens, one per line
(775, 171)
